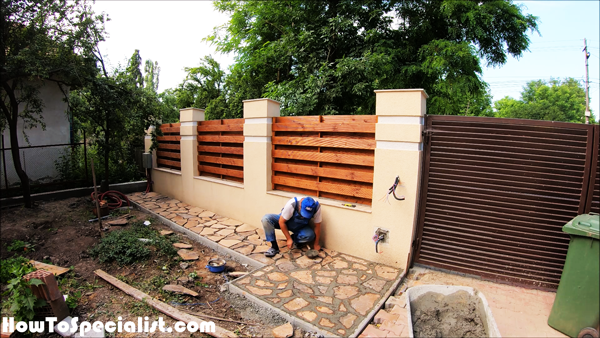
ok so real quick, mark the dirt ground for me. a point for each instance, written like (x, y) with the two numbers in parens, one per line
(62, 235)
(455, 315)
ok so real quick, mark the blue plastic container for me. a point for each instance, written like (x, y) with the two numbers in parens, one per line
(216, 265)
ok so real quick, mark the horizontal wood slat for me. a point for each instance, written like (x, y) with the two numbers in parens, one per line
(325, 142)
(498, 192)
(321, 127)
(338, 188)
(221, 149)
(325, 156)
(168, 154)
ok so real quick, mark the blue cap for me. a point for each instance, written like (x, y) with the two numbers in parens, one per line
(308, 207)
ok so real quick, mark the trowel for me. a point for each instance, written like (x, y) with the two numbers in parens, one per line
(312, 253)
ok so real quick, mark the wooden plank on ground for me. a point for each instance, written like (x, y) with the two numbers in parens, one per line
(325, 157)
(169, 146)
(168, 163)
(168, 154)
(168, 138)
(221, 139)
(221, 171)
(160, 306)
(325, 142)
(349, 174)
(221, 160)
(324, 127)
(56, 270)
(338, 188)
(221, 127)
(221, 150)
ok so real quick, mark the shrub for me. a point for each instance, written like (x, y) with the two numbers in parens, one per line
(124, 246)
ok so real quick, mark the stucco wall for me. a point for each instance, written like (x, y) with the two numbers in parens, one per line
(345, 229)
(39, 162)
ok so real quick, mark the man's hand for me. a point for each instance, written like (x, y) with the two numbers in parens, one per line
(290, 242)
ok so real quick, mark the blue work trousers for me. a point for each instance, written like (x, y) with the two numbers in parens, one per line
(270, 222)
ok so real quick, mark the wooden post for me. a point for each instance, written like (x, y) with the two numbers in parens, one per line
(96, 198)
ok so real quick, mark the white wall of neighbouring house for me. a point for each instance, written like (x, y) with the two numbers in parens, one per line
(39, 163)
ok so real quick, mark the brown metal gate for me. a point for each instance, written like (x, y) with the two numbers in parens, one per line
(496, 193)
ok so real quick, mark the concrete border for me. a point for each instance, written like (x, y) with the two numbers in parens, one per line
(296, 322)
(238, 257)
(378, 306)
(125, 188)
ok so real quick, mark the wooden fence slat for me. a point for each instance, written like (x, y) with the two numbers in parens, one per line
(349, 175)
(221, 139)
(297, 119)
(168, 138)
(325, 127)
(223, 127)
(169, 146)
(221, 150)
(338, 188)
(349, 119)
(170, 129)
(233, 121)
(325, 157)
(325, 142)
(169, 163)
(221, 160)
(168, 154)
(221, 171)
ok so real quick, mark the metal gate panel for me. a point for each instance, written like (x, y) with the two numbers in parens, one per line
(496, 193)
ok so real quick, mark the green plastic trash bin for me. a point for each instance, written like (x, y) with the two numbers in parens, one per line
(576, 305)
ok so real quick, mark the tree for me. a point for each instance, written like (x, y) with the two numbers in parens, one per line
(327, 57)
(554, 100)
(42, 42)
(116, 109)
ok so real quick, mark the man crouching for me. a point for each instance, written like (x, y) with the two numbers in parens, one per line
(294, 218)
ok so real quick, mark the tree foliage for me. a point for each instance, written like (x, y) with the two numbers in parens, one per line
(116, 109)
(327, 57)
(554, 100)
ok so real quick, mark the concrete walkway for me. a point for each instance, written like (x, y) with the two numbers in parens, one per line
(335, 294)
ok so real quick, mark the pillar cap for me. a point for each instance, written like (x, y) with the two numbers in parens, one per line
(403, 90)
(262, 100)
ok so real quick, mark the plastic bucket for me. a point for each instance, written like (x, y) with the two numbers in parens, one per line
(413, 293)
(216, 265)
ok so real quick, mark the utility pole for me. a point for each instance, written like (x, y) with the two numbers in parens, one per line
(587, 84)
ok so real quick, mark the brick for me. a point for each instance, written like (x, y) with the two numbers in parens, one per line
(372, 332)
(383, 315)
(392, 327)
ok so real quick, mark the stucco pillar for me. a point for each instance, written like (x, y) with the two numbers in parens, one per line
(189, 118)
(400, 116)
(148, 144)
(258, 115)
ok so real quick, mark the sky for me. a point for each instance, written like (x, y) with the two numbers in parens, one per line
(171, 33)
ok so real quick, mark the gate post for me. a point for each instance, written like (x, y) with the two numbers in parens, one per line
(189, 118)
(400, 118)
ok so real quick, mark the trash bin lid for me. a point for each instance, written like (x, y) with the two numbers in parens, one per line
(586, 225)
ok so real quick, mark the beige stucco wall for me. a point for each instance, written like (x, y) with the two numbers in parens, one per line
(345, 229)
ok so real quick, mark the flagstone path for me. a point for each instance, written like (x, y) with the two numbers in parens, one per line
(334, 292)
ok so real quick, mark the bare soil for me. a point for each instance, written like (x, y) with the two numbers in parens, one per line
(62, 235)
(456, 315)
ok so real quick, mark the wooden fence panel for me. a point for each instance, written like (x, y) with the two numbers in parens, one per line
(325, 156)
(221, 149)
(168, 154)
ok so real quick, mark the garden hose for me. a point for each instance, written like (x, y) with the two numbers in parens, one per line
(116, 196)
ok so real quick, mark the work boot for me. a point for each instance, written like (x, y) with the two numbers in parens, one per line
(271, 252)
